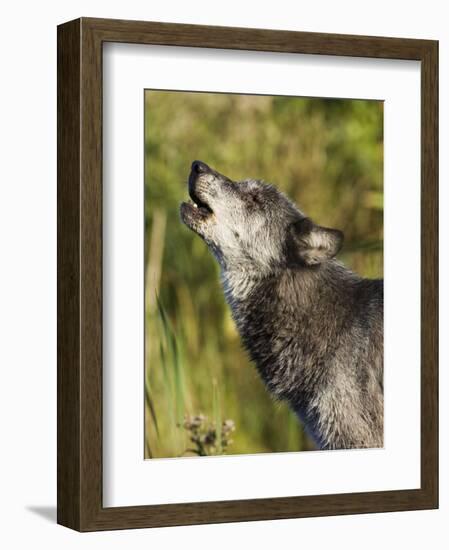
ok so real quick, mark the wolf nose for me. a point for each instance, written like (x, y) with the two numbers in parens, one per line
(200, 167)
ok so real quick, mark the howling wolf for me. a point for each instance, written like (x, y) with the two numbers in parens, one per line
(313, 328)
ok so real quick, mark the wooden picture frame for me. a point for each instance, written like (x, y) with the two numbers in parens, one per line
(80, 504)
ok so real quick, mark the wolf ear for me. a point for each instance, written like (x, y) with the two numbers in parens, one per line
(314, 244)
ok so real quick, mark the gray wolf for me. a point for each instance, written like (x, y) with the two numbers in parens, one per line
(313, 328)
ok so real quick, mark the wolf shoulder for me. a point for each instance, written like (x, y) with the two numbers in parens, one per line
(369, 297)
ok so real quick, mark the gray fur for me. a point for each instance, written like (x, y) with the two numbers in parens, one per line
(313, 328)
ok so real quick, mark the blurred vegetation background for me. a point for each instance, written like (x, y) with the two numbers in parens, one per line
(202, 394)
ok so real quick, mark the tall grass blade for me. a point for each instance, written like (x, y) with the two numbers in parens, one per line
(148, 448)
(173, 372)
(179, 383)
(217, 416)
(149, 403)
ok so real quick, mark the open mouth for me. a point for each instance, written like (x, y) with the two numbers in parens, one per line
(195, 212)
(202, 207)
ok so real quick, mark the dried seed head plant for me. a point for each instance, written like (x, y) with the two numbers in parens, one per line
(205, 436)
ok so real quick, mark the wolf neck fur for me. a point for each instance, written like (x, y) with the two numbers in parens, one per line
(269, 323)
(241, 283)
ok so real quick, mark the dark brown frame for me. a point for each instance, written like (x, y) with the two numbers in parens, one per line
(80, 274)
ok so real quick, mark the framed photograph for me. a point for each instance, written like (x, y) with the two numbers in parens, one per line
(247, 274)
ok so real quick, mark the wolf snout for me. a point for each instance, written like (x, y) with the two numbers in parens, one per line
(199, 167)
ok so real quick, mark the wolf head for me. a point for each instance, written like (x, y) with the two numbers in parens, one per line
(251, 225)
